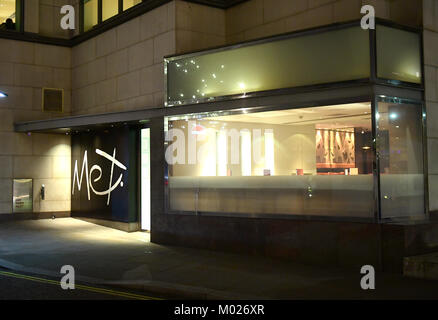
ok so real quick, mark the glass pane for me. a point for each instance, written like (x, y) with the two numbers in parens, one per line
(400, 147)
(7, 14)
(90, 14)
(312, 161)
(110, 8)
(398, 55)
(331, 56)
(130, 3)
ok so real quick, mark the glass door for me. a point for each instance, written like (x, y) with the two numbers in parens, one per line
(145, 180)
(401, 159)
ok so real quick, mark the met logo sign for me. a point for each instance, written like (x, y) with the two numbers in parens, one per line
(88, 174)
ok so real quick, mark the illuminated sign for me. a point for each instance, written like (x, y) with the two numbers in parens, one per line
(88, 175)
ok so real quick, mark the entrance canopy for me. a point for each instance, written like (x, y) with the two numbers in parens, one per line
(80, 123)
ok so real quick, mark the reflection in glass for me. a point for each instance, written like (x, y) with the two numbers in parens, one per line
(398, 54)
(400, 147)
(311, 161)
(332, 56)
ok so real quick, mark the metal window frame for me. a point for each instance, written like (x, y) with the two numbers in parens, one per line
(247, 110)
(403, 96)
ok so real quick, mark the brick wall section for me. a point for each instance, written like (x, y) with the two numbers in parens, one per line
(25, 69)
(430, 36)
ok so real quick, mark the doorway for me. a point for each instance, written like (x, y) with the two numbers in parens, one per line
(145, 148)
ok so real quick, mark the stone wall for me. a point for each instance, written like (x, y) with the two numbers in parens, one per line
(122, 69)
(262, 18)
(25, 69)
(44, 17)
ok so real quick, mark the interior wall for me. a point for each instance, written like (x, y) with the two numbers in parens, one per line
(294, 148)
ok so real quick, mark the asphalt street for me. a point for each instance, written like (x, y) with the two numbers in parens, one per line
(21, 286)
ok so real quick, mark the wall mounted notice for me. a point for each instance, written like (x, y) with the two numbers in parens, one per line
(23, 196)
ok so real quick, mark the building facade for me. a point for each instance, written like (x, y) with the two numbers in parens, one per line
(270, 127)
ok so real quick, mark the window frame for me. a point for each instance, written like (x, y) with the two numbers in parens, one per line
(374, 218)
(374, 99)
(99, 14)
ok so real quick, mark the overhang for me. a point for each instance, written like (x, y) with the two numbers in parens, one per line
(86, 122)
(288, 98)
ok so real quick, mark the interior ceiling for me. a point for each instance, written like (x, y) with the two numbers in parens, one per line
(329, 117)
(7, 10)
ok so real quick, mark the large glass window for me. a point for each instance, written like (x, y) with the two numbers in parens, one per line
(312, 161)
(332, 56)
(400, 149)
(8, 14)
(398, 54)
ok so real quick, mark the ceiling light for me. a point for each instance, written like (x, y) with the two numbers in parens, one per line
(3, 95)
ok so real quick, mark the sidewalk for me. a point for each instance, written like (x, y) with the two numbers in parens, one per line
(106, 256)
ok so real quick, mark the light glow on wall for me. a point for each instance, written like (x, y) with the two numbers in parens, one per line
(246, 153)
(269, 151)
(207, 153)
(222, 153)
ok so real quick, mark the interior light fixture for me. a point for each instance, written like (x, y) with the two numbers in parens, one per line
(3, 95)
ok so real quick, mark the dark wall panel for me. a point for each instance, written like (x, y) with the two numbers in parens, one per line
(123, 201)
